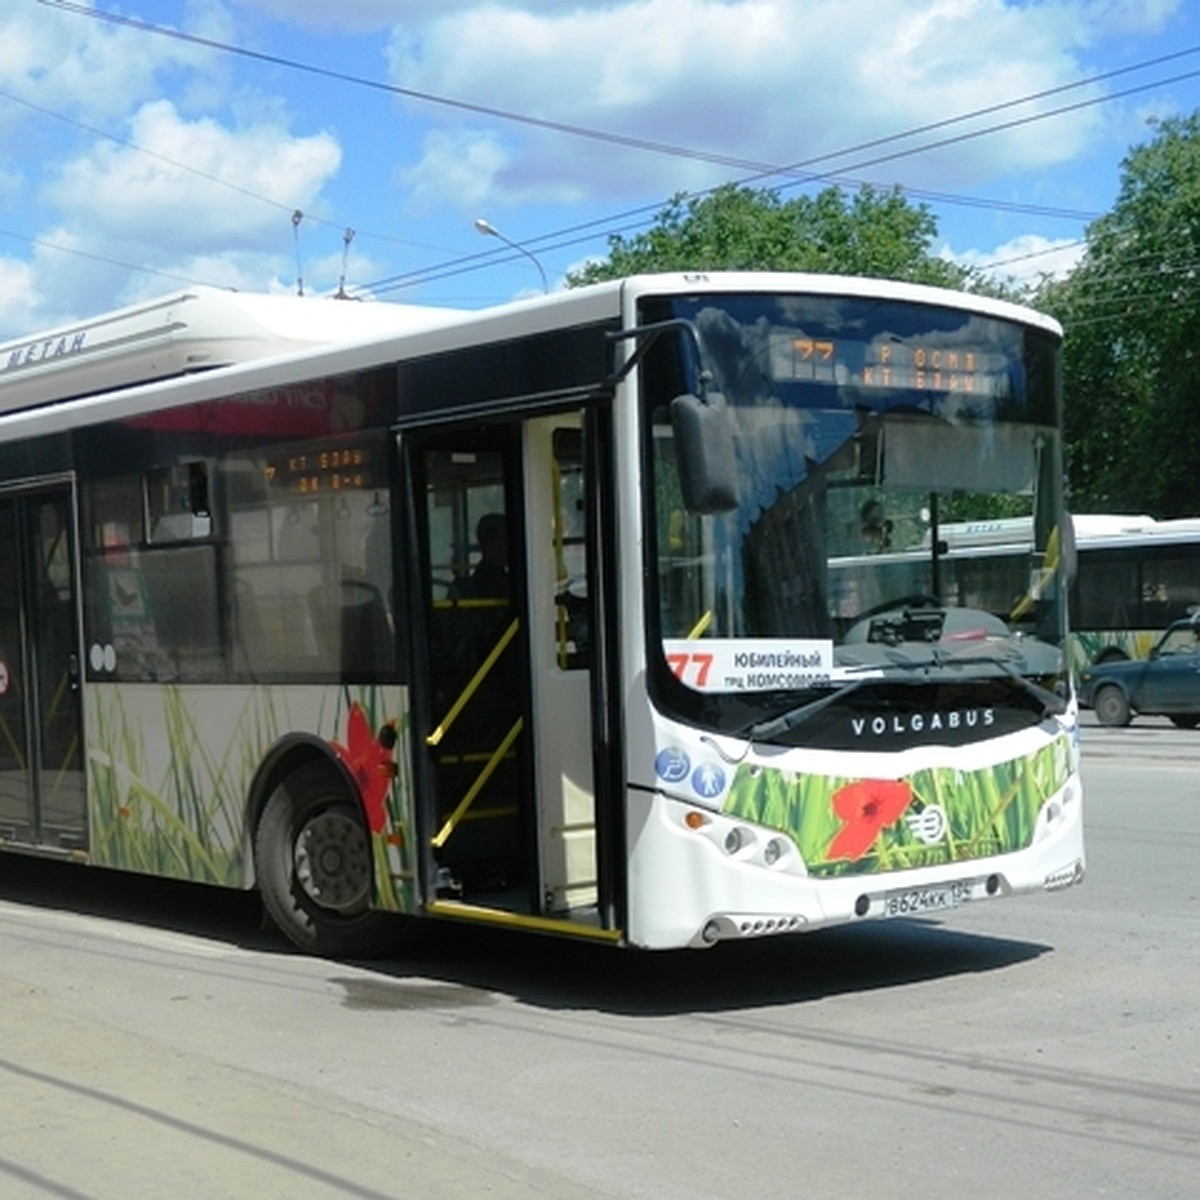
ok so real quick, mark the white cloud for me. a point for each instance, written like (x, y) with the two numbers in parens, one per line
(19, 295)
(747, 82)
(378, 14)
(242, 272)
(766, 81)
(456, 169)
(63, 278)
(1024, 259)
(78, 65)
(195, 184)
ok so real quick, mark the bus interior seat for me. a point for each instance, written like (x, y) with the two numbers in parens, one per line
(352, 627)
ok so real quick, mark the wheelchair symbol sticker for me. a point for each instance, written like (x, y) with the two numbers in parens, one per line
(672, 764)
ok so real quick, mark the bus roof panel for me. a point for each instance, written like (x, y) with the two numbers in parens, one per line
(187, 332)
(863, 287)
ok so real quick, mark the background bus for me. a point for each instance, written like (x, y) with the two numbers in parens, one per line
(1136, 576)
(244, 639)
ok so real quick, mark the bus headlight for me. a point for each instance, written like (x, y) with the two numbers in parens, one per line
(737, 839)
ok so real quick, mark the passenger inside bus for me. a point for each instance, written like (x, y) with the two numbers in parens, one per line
(876, 529)
(489, 580)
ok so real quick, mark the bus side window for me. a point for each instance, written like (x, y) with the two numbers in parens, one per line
(309, 544)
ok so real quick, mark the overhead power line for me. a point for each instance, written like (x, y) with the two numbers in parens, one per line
(179, 164)
(630, 141)
(758, 170)
(132, 268)
(487, 110)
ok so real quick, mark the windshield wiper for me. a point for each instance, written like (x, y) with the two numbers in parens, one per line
(1051, 702)
(787, 720)
(791, 717)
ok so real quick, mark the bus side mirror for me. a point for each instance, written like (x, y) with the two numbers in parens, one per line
(1070, 552)
(704, 453)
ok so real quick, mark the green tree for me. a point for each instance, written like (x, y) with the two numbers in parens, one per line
(737, 228)
(1132, 354)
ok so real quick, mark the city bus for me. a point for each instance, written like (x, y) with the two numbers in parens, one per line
(1136, 576)
(528, 616)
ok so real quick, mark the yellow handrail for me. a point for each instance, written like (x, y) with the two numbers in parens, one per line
(443, 834)
(473, 685)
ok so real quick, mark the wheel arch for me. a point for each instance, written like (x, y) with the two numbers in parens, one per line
(1119, 684)
(286, 757)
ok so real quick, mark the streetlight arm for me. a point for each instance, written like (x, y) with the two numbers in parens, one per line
(489, 230)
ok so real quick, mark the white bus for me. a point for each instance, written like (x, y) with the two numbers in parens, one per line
(1136, 576)
(525, 616)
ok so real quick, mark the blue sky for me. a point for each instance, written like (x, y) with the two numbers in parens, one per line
(135, 160)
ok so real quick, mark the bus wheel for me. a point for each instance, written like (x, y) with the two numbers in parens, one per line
(313, 857)
(1111, 706)
(1185, 720)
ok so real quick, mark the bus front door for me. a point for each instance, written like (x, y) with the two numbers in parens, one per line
(503, 714)
(42, 800)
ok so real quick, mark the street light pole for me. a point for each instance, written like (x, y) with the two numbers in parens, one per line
(489, 230)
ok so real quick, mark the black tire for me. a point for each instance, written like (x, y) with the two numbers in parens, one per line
(1112, 708)
(1185, 720)
(312, 854)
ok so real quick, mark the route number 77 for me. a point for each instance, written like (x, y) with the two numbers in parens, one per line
(697, 664)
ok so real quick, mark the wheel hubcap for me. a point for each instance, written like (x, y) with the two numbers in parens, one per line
(333, 861)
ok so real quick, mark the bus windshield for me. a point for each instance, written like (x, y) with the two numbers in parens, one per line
(863, 432)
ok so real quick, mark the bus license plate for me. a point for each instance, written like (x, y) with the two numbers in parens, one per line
(921, 902)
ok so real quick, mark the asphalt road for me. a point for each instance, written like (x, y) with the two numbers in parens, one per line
(155, 1041)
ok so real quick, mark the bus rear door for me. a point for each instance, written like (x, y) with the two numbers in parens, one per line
(42, 799)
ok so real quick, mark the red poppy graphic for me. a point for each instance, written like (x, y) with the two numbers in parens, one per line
(867, 807)
(369, 761)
